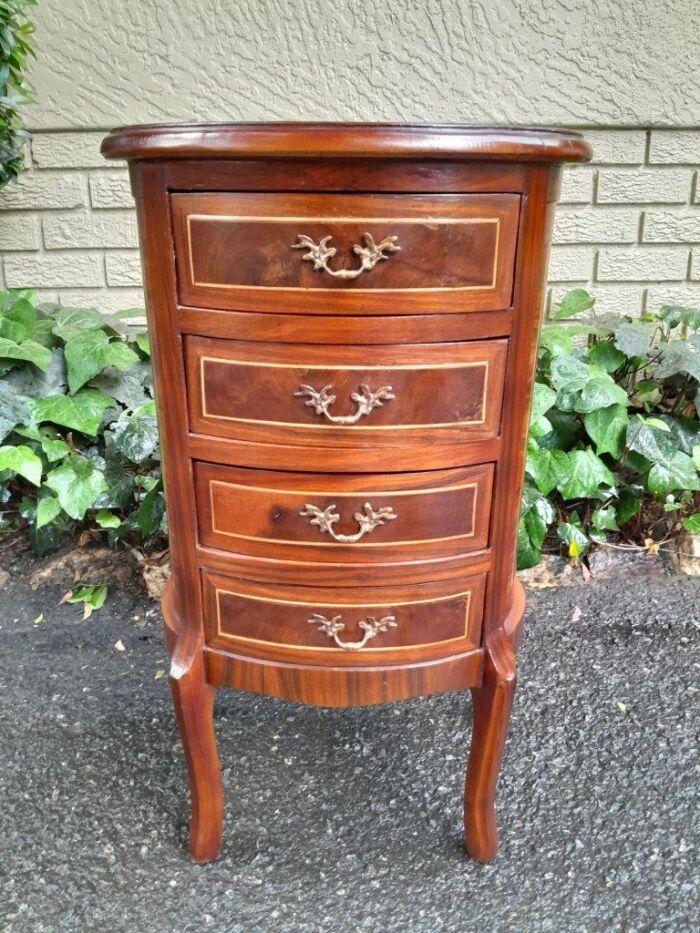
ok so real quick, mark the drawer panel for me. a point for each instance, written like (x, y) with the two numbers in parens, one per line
(348, 625)
(326, 254)
(345, 396)
(344, 518)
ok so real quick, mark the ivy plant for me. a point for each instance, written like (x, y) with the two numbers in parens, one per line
(78, 431)
(614, 440)
(15, 36)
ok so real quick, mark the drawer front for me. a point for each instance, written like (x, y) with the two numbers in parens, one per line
(345, 396)
(343, 518)
(347, 625)
(325, 254)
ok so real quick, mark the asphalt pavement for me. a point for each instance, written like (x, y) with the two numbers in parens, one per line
(349, 820)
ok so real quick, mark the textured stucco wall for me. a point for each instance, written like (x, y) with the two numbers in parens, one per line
(628, 227)
(583, 62)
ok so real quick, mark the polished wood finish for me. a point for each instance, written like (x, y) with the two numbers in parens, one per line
(239, 251)
(441, 394)
(384, 496)
(272, 621)
(263, 513)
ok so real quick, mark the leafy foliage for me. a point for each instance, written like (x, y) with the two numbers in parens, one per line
(614, 428)
(15, 33)
(78, 431)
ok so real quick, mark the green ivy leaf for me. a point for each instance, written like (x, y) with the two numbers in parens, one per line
(119, 355)
(678, 356)
(37, 383)
(574, 538)
(22, 460)
(600, 391)
(135, 435)
(47, 510)
(148, 516)
(541, 467)
(583, 475)
(107, 519)
(557, 340)
(607, 428)
(131, 387)
(692, 523)
(92, 598)
(543, 398)
(82, 411)
(605, 519)
(627, 505)
(537, 520)
(696, 457)
(633, 338)
(574, 302)
(77, 485)
(143, 342)
(605, 356)
(646, 439)
(28, 350)
(85, 358)
(74, 322)
(569, 373)
(527, 555)
(23, 315)
(674, 475)
(14, 409)
(674, 315)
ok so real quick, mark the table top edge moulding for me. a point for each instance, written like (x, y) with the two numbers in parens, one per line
(344, 323)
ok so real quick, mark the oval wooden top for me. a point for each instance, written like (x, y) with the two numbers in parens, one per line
(345, 140)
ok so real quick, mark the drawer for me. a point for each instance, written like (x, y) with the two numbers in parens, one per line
(339, 396)
(348, 625)
(330, 254)
(343, 518)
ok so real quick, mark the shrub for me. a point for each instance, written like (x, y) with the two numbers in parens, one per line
(15, 31)
(77, 423)
(614, 443)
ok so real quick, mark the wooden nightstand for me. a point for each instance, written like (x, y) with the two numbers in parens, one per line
(344, 326)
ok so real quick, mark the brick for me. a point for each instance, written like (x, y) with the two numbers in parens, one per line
(107, 300)
(68, 150)
(675, 147)
(643, 264)
(595, 225)
(617, 147)
(571, 263)
(110, 189)
(686, 295)
(609, 299)
(123, 268)
(626, 186)
(19, 231)
(98, 230)
(577, 185)
(679, 226)
(43, 191)
(67, 270)
(695, 265)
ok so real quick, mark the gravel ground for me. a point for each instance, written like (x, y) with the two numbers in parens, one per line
(350, 820)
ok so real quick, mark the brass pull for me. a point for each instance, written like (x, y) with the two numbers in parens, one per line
(370, 254)
(366, 400)
(368, 520)
(370, 626)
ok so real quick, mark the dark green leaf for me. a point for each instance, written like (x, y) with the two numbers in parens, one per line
(528, 554)
(82, 411)
(647, 440)
(47, 510)
(73, 322)
(679, 356)
(85, 357)
(120, 356)
(77, 485)
(582, 474)
(607, 428)
(677, 474)
(605, 519)
(541, 467)
(128, 387)
(28, 350)
(574, 302)
(606, 356)
(37, 383)
(135, 435)
(574, 538)
(599, 392)
(627, 505)
(14, 409)
(569, 373)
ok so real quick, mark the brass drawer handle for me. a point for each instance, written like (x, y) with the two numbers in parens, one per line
(370, 626)
(366, 400)
(368, 520)
(370, 254)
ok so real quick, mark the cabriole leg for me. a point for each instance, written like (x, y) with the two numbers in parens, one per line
(492, 705)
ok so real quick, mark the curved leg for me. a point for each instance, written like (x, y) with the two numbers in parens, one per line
(492, 705)
(193, 699)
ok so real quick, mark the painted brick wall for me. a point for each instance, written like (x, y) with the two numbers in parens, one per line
(627, 228)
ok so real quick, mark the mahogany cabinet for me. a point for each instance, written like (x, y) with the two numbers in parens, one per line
(344, 325)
